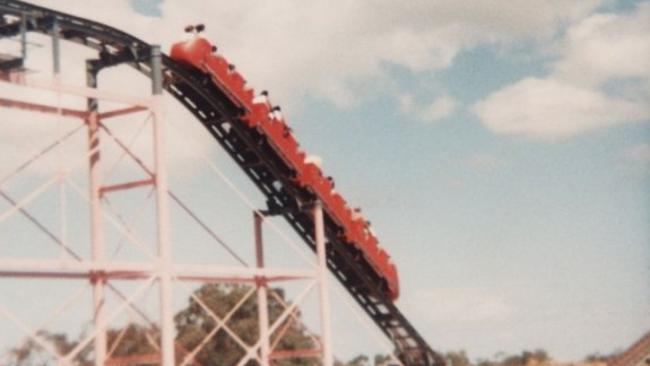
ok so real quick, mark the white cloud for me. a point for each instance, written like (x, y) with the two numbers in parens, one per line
(406, 103)
(460, 305)
(638, 154)
(308, 48)
(604, 50)
(294, 48)
(484, 161)
(550, 108)
(606, 46)
(440, 108)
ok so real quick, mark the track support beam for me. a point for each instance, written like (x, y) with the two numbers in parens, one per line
(96, 222)
(56, 48)
(262, 293)
(325, 315)
(162, 215)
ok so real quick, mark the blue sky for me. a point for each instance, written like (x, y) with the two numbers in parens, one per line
(500, 149)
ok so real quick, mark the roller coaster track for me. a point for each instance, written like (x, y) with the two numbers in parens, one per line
(248, 149)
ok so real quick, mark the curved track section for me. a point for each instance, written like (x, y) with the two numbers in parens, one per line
(249, 150)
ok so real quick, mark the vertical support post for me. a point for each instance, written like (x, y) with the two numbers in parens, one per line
(96, 225)
(162, 208)
(23, 38)
(262, 300)
(56, 50)
(319, 235)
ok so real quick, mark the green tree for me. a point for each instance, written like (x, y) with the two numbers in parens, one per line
(382, 360)
(457, 358)
(32, 353)
(193, 323)
(360, 360)
(133, 340)
(597, 357)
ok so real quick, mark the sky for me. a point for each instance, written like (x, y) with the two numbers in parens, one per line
(500, 149)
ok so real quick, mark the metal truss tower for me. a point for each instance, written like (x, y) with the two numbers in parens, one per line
(159, 270)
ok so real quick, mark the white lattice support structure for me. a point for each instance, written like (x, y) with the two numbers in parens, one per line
(96, 269)
(320, 277)
(101, 271)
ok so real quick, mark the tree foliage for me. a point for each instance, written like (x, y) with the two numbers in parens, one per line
(32, 353)
(193, 324)
(458, 358)
(525, 358)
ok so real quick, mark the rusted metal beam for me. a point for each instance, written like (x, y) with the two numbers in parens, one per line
(148, 359)
(295, 353)
(122, 111)
(124, 186)
(42, 108)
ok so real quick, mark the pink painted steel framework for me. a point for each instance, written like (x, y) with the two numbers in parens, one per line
(100, 270)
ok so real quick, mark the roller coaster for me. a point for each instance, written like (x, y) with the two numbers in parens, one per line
(261, 143)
